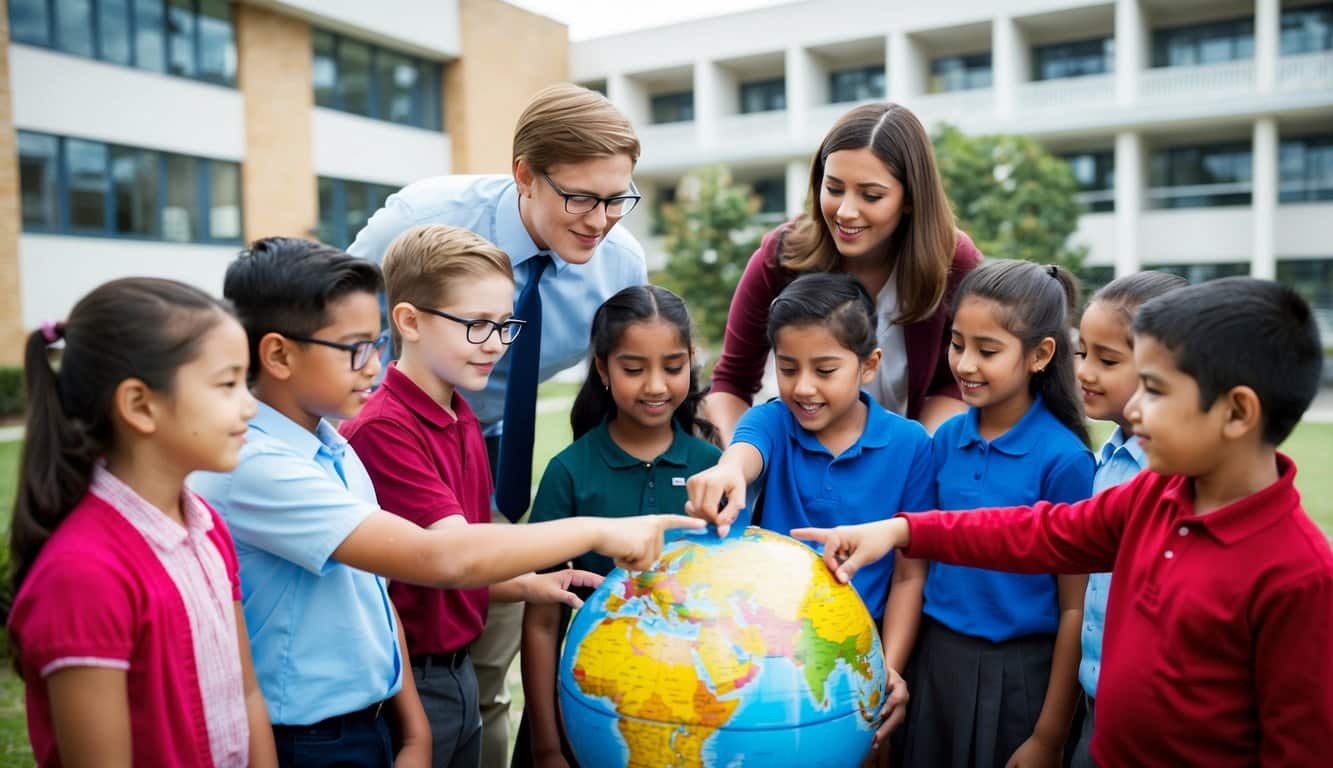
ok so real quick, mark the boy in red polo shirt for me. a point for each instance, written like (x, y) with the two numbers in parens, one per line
(1219, 628)
(451, 299)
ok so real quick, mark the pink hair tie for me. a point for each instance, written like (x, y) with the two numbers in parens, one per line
(52, 331)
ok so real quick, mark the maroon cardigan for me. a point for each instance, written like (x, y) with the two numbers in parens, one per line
(745, 347)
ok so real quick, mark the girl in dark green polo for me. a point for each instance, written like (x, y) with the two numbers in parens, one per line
(634, 445)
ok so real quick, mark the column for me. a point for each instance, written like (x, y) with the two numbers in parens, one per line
(1131, 49)
(1130, 191)
(1265, 195)
(807, 88)
(715, 97)
(628, 97)
(11, 294)
(1267, 23)
(1007, 54)
(798, 186)
(906, 76)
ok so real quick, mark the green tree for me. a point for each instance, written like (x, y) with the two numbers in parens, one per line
(1015, 199)
(709, 239)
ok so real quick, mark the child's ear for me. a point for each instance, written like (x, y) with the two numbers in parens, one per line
(275, 356)
(134, 405)
(870, 365)
(1041, 355)
(600, 364)
(1244, 413)
(404, 318)
(524, 177)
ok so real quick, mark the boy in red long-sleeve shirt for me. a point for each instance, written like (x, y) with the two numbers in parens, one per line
(1219, 631)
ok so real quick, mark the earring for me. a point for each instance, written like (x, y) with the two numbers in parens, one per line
(606, 386)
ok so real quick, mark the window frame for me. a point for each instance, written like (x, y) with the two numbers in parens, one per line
(429, 93)
(765, 86)
(867, 75)
(336, 219)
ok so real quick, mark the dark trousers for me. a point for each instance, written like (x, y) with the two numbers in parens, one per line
(523, 756)
(358, 740)
(1081, 752)
(449, 696)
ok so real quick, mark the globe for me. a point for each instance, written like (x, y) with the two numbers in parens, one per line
(742, 651)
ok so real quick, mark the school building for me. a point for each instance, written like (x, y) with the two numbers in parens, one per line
(156, 136)
(1201, 131)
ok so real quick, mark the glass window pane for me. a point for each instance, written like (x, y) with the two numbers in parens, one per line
(134, 184)
(673, 107)
(180, 35)
(150, 49)
(354, 77)
(113, 29)
(180, 214)
(325, 70)
(85, 162)
(29, 22)
(432, 97)
(74, 26)
(38, 174)
(224, 213)
(397, 82)
(357, 210)
(217, 45)
(328, 213)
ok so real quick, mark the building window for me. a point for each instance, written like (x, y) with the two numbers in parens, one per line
(1093, 279)
(675, 107)
(1311, 278)
(859, 84)
(1212, 43)
(346, 206)
(189, 38)
(1200, 177)
(960, 73)
(1305, 168)
(1095, 174)
(1202, 273)
(1077, 59)
(764, 95)
(1307, 30)
(772, 196)
(598, 86)
(78, 187)
(363, 79)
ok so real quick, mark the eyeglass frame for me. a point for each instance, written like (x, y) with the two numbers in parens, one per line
(473, 322)
(352, 348)
(603, 201)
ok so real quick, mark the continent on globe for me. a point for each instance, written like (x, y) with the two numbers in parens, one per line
(727, 652)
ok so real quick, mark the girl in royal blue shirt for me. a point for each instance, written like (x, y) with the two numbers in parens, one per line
(994, 678)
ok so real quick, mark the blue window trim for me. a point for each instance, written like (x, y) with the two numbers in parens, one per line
(94, 17)
(340, 235)
(430, 72)
(204, 178)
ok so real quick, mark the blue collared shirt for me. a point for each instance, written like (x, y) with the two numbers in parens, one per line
(886, 471)
(1119, 461)
(322, 633)
(1038, 459)
(571, 293)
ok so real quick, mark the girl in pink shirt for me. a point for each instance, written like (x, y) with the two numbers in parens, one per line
(126, 624)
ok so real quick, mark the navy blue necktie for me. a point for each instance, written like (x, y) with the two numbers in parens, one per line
(513, 478)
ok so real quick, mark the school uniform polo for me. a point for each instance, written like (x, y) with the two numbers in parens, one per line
(594, 477)
(1038, 459)
(426, 465)
(1218, 627)
(886, 471)
(322, 633)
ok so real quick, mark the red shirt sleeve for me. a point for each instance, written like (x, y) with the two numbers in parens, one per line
(740, 369)
(1294, 672)
(406, 482)
(1044, 538)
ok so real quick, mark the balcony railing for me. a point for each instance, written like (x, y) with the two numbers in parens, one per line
(1067, 92)
(753, 127)
(1231, 78)
(1306, 72)
(954, 106)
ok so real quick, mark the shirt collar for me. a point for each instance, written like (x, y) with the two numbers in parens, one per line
(874, 435)
(513, 238)
(1020, 438)
(616, 457)
(397, 384)
(1244, 517)
(160, 531)
(1119, 443)
(324, 439)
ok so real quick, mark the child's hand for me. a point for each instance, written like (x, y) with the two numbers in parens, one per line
(413, 755)
(555, 587)
(635, 542)
(895, 706)
(710, 489)
(849, 547)
(1035, 753)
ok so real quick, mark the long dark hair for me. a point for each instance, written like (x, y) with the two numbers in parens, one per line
(836, 300)
(636, 304)
(1126, 294)
(1037, 301)
(141, 328)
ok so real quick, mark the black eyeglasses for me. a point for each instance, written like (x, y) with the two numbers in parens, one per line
(479, 330)
(616, 206)
(362, 351)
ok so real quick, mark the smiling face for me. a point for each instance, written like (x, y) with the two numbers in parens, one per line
(989, 362)
(648, 373)
(1177, 435)
(440, 344)
(322, 380)
(572, 236)
(1105, 363)
(861, 201)
(820, 380)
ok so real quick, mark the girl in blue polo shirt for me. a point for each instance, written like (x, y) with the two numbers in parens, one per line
(994, 679)
(637, 439)
(828, 454)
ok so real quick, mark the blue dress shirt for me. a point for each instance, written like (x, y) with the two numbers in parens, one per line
(322, 633)
(570, 293)
(1120, 460)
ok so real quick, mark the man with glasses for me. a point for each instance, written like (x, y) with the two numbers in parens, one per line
(556, 218)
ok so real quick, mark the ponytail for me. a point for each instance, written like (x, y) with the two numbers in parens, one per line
(1056, 383)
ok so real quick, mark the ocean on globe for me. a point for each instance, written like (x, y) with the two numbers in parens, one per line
(743, 651)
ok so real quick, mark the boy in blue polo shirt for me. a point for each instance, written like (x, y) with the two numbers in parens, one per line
(313, 545)
(827, 451)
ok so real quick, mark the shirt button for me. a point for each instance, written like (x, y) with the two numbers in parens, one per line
(1169, 554)
(652, 484)
(1183, 530)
